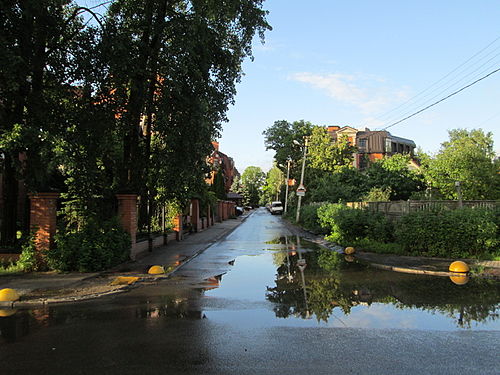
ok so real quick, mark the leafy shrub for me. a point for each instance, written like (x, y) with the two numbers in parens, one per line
(309, 218)
(95, 247)
(347, 225)
(462, 233)
(27, 260)
(377, 194)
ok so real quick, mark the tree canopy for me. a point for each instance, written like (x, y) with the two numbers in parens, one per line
(272, 187)
(327, 155)
(128, 103)
(252, 181)
(468, 158)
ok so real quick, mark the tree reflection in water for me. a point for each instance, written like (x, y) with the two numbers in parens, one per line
(331, 283)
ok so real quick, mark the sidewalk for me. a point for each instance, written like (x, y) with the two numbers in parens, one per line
(43, 288)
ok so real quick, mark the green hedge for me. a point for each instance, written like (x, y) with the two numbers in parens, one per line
(347, 225)
(95, 247)
(309, 218)
(461, 233)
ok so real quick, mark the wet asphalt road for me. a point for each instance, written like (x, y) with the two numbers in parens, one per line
(212, 317)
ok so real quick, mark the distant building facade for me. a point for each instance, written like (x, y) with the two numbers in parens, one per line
(372, 145)
(224, 164)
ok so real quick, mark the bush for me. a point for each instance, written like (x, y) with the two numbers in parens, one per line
(95, 247)
(27, 260)
(309, 218)
(462, 233)
(377, 194)
(348, 225)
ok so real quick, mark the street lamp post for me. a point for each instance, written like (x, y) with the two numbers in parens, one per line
(288, 162)
(301, 185)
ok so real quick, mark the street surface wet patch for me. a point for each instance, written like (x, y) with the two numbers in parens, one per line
(264, 301)
(331, 291)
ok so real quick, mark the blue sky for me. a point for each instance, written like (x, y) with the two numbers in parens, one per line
(349, 62)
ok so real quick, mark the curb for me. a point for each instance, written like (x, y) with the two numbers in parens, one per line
(319, 240)
(414, 271)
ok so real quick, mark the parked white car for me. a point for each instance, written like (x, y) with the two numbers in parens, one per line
(276, 208)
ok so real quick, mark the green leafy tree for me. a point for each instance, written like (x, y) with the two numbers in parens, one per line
(130, 104)
(467, 157)
(393, 174)
(252, 181)
(280, 136)
(272, 187)
(345, 184)
(218, 186)
(325, 154)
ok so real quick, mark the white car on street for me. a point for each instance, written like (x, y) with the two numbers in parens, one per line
(276, 208)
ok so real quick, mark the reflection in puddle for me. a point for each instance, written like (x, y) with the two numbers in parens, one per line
(296, 284)
(331, 282)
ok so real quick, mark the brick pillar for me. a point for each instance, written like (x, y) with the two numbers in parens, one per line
(127, 211)
(43, 214)
(195, 214)
(177, 226)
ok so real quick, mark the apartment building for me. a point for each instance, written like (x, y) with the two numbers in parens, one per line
(372, 145)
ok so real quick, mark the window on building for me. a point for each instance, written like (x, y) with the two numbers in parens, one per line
(362, 143)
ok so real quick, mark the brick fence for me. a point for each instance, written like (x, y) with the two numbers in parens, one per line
(43, 221)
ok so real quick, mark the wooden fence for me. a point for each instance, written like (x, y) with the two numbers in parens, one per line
(397, 209)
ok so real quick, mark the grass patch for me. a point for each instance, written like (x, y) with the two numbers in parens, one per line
(10, 267)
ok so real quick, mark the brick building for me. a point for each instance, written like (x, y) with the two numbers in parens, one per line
(372, 145)
(220, 161)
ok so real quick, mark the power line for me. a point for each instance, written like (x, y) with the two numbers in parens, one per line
(439, 101)
(475, 74)
(408, 102)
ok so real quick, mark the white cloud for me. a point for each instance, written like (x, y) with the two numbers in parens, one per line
(370, 94)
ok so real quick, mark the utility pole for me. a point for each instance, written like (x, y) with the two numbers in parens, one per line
(287, 179)
(301, 185)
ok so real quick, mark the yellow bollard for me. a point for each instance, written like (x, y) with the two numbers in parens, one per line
(459, 266)
(8, 295)
(349, 250)
(156, 270)
(349, 258)
(7, 312)
(459, 279)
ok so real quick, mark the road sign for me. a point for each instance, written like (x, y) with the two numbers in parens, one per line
(301, 190)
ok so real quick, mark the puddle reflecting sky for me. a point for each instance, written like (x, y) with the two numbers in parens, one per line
(285, 284)
(333, 292)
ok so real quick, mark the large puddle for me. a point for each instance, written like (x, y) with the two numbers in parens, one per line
(290, 282)
(305, 285)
